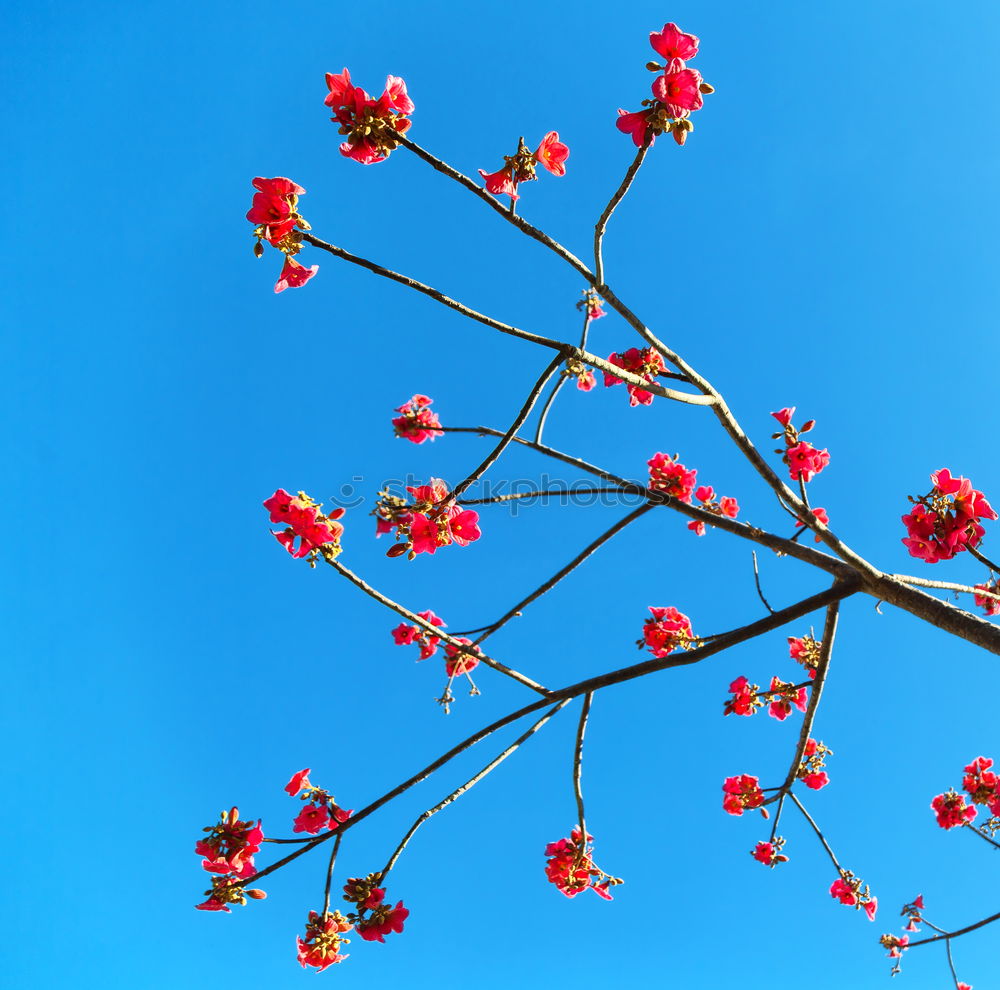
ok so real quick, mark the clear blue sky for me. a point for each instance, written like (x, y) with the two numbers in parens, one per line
(826, 239)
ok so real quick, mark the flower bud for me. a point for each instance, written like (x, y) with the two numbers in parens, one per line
(258, 250)
(654, 66)
(807, 426)
(706, 88)
(397, 551)
(256, 893)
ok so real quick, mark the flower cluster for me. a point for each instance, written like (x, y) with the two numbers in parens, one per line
(428, 522)
(987, 602)
(416, 422)
(981, 783)
(726, 506)
(946, 520)
(551, 154)
(745, 699)
(322, 810)
(742, 791)
(644, 362)
(677, 91)
(803, 459)
(806, 651)
(228, 890)
(665, 631)
(769, 853)
(783, 696)
(810, 770)
(228, 849)
(585, 380)
(592, 303)
(275, 213)
(570, 866)
(230, 845)
(668, 475)
(374, 918)
(324, 937)
(316, 533)
(404, 635)
(847, 889)
(371, 127)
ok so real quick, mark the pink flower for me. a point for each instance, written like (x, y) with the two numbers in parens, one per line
(571, 869)
(742, 791)
(312, 818)
(870, 907)
(679, 90)
(843, 891)
(946, 520)
(463, 524)
(501, 183)
(306, 523)
(744, 700)
(784, 416)
(784, 697)
(635, 124)
(417, 423)
(667, 630)
(585, 381)
(805, 461)
(382, 921)
(324, 937)
(951, 811)
(989, 605)
(293, 275)
(667, 474)
(729, 507)
(229, 846)
(769, 853)
(552, 154)
(645, 363)
(816, 781)
(672, 43)
(299, 781)
(982, 784)
(273, 207)
(372, 127)
(459, 662)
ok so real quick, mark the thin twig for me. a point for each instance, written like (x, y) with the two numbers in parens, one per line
(445, 169)
(471, 782)
(756, 581)
(822, 667)
(562, 572)
(506, 439)
(951, 962)
(945, 585)
(578, 766)
(329, 874)
(434, 630)
(982, 558)
(540, 493)
(601, 226)
(960, 932)
(749, 631)
(815, 828)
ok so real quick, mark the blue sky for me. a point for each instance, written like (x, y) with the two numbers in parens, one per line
(826, 239)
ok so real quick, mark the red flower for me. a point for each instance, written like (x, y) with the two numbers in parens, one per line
(679, 90)
(769, 853)
(667, 474)
(306, 523)
(843, 891)
(816, 780)
(383, 921)
(417, 423)
(982, 784)
(299, 781)
(312, 818)
(293, 275)
(672, 43)
(570, 867)
(459, 662)
(784, 416)
(230, 845)
(324, 937)
(372, 127)
(421, 525)
(989, 605)
(404, 635)
(273, 208)
(784, 696)
(741, 792)
(951, 810)
(635, 124)
(744, 700)
(946, 520)
(667, 630)
(805, 461)
(645, 363)
(552, 154)
(228, 890)
(501, 183)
